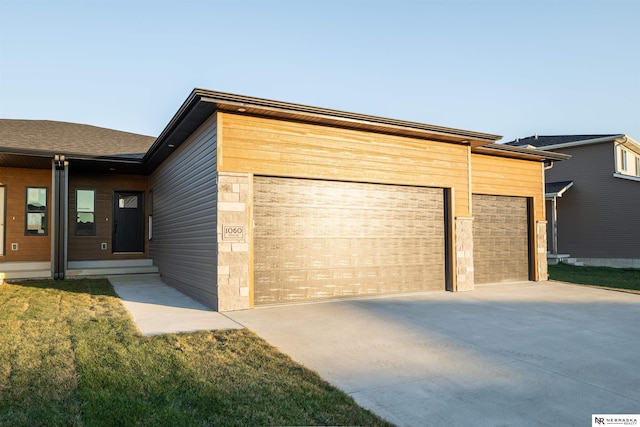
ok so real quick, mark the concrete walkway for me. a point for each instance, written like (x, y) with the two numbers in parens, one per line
(522, 354)
(157, 308)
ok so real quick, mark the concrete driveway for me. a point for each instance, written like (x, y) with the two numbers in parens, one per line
(515, 354)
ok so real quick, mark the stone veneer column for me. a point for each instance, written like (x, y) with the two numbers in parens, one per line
(234, 199)
(541, 247)
(464, 253)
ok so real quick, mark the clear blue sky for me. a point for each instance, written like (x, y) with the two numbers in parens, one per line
(510, 67)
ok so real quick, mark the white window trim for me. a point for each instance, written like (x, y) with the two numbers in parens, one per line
(629, 177)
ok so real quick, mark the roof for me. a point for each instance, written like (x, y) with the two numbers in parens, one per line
(24, 143)
(556, 189)
(553, 141)
(201, 103)
(71, 138)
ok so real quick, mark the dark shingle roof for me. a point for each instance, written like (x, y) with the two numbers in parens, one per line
(71, 138)
(540, 141)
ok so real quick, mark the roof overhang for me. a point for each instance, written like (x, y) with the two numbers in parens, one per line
(201, 104)
(557, 190)
(41, 159)
(520, 153)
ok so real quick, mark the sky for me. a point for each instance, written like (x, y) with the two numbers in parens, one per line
(508, 67)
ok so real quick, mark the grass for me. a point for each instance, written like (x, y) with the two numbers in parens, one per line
(620, 278)
(70, 355)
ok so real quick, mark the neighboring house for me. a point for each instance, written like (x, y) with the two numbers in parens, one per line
(593, 200)
(244, 201)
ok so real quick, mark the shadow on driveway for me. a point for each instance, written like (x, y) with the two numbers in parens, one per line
(511, 354)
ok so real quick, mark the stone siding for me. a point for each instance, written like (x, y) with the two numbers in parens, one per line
(464, 254)
(541, 248)
(234, 202)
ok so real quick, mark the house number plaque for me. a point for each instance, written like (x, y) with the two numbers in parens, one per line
(232, 232)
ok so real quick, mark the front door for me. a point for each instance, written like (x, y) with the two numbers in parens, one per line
(128, 221)
(2, 202)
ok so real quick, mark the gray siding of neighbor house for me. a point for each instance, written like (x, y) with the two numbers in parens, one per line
(599, 217)
(184, 242)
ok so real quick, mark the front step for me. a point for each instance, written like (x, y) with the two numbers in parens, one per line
(110, 267)
(75, 269)
(25, 270)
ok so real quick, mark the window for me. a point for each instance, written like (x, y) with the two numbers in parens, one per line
(36, 212)
(128, 202)
(637, 166)
(85, 212)
(624, 160)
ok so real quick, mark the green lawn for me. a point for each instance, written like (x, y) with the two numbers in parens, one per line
(70, 355)
(621, 278)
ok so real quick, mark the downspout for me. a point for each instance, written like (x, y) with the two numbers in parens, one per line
(60, 216)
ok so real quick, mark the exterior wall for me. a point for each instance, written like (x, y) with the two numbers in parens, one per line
(89, 247)
(599, 216)
(500, 176)
(264, 146)
(30, 248)
(184, 242)
(541, 249)
(234, 237)
(464, 254)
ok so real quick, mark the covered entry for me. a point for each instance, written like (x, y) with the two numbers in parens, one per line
(318, 239)
(500, 238)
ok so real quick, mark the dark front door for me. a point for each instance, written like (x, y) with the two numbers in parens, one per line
(128, 221)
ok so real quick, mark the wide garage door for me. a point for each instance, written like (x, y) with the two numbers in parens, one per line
(500, 238)
(326, 239)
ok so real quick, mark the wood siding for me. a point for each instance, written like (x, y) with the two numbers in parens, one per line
(81, 248)
(599, 217)
(184, 242)
(285, 148)
(501, 176)
(30, 248)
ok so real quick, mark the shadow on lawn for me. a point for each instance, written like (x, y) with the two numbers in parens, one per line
(79, 286)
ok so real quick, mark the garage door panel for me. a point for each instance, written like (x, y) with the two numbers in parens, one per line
(323, 239)
(331, 253)
(500, 238)
(302, 285)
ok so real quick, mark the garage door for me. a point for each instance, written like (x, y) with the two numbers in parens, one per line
(325, 239)
(500, 238)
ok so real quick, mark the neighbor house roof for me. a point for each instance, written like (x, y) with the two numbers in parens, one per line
(559, 141)
(71, 138)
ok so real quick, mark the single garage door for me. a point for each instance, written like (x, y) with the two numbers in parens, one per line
(500, 238)
(326, 239)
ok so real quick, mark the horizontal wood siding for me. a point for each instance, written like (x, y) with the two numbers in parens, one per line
(501, 176)
(184, 240)
(290, 149)
(30, 248)
(599, 217)
(82, 248)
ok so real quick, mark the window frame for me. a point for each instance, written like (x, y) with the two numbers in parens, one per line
(150, 214)
(28, 211)
(93, 230)
(624, 161)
